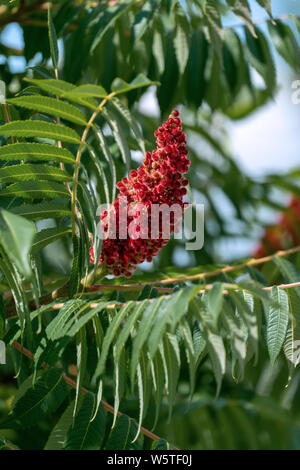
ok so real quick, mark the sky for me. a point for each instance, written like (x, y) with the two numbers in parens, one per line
(268, 141)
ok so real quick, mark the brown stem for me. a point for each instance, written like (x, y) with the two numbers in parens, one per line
(6, 116)
(226, 269)
(228, 287)
(78, 156)
(72, 384)
(63, 291)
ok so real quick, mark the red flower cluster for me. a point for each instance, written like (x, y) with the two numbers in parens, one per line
(158, 181)
(285, 234)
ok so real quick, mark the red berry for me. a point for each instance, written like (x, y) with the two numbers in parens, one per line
(158, 180)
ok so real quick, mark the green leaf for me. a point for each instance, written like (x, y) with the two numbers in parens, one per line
(58, 434)
(292, 341)
(190, 352)
(238, 335)
(74, 326)
(119, 380)
(16, 285)
(214, 32)
(217, 354)
(108, 157)
(122, 435)
(50, 85)
(77, 267)
(55, 337)
(16, 237)
(249, 311)
(198, 55)
(130, 322)
(58, 327)
(241, 9)
(2, 320)
(162, 444)
(142, 383)
(259, 56)
(172, 358)
(285, 43)
(277, 322)
(85, 91)
(198, 342)
(254, 288)
(52, 40)
(36, 190)
(181, 40)
(39, 401)
(47, 236)
(288, 271)
(101, 179)
(143, 332)
(267, 5)
(29, 171)
(120, 86)
(110, 335)
(111, 14)
(41, 129)
(144, 18)
(215, 301)
(33, 151)
(158, 45)
(43, 210)
(47, 105)
(86, 434)
(171, 311)
(130, 120)
(158, 379)
(119, 134)
(81, 348)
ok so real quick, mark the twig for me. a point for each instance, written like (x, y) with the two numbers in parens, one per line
(226, 269)
(72, 384)
(201, 290)
(6, 116)
(126, 287)
(63, 291)
(79, 152)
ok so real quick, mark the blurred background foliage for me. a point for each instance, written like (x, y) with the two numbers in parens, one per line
(218, 68)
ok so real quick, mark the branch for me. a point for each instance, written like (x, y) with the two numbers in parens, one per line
(226, 269)
(283, 17)
(78, 156)
(201, 290)
(72, 384)
(63, 291)
(6, 116)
